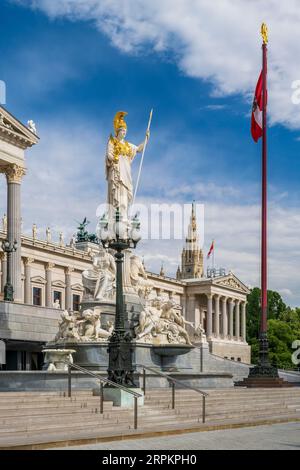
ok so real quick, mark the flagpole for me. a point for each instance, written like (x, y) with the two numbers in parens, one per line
(264, 268)
(263, 370)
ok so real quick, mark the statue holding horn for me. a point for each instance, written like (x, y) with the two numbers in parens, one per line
(118, 159)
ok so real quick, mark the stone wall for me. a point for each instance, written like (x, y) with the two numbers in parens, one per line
(232, 350)
(58, 381)
(27, 322)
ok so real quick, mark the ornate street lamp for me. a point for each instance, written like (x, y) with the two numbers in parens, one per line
(9, 247)
(119, 238)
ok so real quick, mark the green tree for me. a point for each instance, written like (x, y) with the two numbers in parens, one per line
(283, 327)
(281, 336)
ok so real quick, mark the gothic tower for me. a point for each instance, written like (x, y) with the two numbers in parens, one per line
(192, 255)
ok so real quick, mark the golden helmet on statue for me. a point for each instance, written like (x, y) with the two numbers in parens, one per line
(119, 122)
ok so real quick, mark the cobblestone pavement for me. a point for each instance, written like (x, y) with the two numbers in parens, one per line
(275, 436)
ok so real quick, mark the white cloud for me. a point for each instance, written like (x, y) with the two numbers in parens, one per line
(216, 107)
(203, 190)
(286, 292)
(217, 41)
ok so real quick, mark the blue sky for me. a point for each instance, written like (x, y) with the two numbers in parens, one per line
(71, 69)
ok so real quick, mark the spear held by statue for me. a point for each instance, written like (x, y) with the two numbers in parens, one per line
(142, 158)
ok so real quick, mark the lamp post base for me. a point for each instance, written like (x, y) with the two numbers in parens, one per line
(8, 292)
(120, 366)
(264, 382)
(264, 375)
(263, 371)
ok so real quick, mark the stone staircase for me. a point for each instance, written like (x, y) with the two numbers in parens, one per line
(45, 419)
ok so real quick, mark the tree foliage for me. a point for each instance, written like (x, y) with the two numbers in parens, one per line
(283, 328)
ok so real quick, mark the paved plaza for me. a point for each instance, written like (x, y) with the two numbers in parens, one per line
(272, 437)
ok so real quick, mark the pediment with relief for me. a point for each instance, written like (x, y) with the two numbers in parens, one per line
(12, 130)
(232, 282)
(58, 284)
(38, 280)
(77, 287)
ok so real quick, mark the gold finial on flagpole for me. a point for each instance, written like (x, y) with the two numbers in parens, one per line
(264, 33)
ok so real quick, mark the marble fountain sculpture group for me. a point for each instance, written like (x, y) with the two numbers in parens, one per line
(156, 321)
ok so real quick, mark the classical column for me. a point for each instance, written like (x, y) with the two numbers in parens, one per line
(27, 284)
(231, 308)
(14, 174)
(217, 316)
(68, 304)
(49, 300)
(183, 303)
(224, 317)
(237, 320)
(201, 315)
(197, 320)
(191, 304)
(209, 316)
(243, 321)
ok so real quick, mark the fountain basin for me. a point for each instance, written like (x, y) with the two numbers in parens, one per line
(169, 354)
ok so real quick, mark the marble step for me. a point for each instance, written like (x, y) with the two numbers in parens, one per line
(118, 414)
(125, 418)
(44, 439)
(126, 421)
(210, 404)
(50, 394)
(226, 393)
(77, 435)
(86, 415)
(29, 399)
(219, 400)
(241, 412)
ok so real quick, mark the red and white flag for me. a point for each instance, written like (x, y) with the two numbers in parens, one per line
(212, 247)
(257, 109)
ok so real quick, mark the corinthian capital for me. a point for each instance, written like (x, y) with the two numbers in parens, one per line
(28, 261)
(14, 173)
(49, 266)
(69, 270)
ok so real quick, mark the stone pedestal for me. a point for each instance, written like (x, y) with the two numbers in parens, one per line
(55, 359)
(120, 397)
(133, 307)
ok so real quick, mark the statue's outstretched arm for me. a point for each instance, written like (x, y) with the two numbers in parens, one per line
(142, 145)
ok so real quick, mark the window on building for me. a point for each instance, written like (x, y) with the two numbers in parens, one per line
(76, 302)
(57, 296)
(37, 296)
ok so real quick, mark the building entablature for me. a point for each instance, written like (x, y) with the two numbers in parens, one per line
(228, 286)
(12, 131)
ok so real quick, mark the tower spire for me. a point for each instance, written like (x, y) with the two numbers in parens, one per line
(192, 256)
